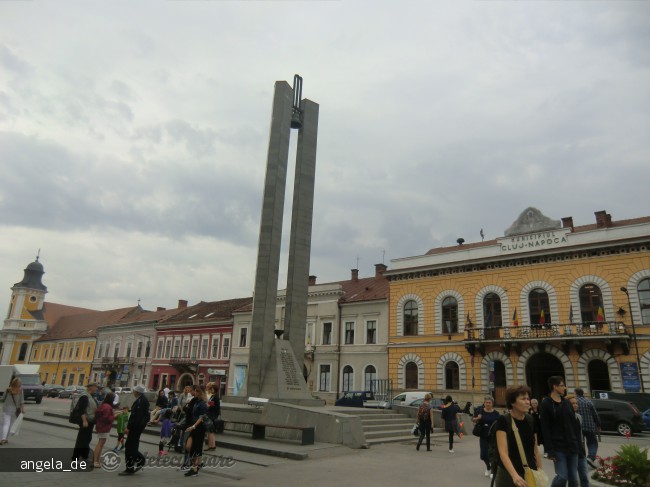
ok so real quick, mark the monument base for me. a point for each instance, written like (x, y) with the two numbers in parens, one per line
(283, 380)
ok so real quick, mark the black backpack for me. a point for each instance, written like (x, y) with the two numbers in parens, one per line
(493, 450)
(75, 411)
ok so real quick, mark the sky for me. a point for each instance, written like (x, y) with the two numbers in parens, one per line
(133, 135)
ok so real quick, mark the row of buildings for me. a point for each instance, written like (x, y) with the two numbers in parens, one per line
(547, 298)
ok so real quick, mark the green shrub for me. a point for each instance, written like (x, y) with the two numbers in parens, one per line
(632, 464)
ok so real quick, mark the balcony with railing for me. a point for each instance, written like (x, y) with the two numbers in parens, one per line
(116, 360)
(611, 333)
(185, 362)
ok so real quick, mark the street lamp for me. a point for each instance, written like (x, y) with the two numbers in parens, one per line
(636, 345)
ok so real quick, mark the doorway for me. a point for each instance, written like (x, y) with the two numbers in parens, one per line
(598, 373)
(539, 368)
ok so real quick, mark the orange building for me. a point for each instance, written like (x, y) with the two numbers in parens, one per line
(546, 299)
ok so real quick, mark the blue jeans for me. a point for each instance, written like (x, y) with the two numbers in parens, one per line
(583, 472)
(592, 444)
(566, 469)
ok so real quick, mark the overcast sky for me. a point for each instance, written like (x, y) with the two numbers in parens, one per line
(133, 135)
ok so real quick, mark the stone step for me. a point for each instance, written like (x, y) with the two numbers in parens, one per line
(387, 427)
(387, 422)
(387, 433)
(436, 440)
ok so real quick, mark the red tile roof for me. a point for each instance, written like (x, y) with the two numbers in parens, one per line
(85, 325)
(209, 311)
(52, 312)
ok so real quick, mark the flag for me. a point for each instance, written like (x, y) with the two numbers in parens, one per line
(468, 321)
(514, 318)
(488, 320)
(482, 234)
(571, 314)
(542, 319)
(600, 316)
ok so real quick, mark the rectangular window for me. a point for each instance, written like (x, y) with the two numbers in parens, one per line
(88, 352)
(349, 332)
(324, 378)
(186, 349)
(168, 348)
(160, 347)
(225, 351)
(116, 351)
(46, 350)
(129, 346)
(242, 337)
(139, 350)
(327, 333)
(177, 348)
(195, 348)
(215, 346)
(204, 347)
(371, 332)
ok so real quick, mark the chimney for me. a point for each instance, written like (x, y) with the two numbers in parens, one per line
(355, 274)
(160, 308)
(380, 269)
(312, 280)
(182, 303)
(567, 222)
(609, 220)
(601, 219)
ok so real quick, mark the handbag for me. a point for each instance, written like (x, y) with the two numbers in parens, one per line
(416, 430)
(478, 430)
(18, 410)
(15, 427)
(534, 478)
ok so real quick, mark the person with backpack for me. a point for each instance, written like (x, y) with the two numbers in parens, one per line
(138, 420)
(451, 417)
(425, 422)
(485, 416)
(83, 414)
(561, 433)
(214, 411)
(514, 432)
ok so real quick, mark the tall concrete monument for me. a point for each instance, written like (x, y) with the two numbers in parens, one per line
(276, 359)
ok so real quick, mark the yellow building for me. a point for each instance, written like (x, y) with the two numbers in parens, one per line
(546, 299)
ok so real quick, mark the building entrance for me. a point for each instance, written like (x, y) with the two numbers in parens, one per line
(599, 376)
(539, 368)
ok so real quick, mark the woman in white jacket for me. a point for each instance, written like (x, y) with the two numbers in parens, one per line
(14, 406)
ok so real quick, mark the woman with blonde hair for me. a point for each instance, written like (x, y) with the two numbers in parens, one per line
(14, 406)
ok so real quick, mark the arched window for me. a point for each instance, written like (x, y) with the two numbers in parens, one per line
(369, 376)
(348, 378)
(449, 315)
(643, 290)
(23, 352)
(411, 375)
(452, 376)
(591, 300)
(540, 310)
(492, 310)
(410, 318)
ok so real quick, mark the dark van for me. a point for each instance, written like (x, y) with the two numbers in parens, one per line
(355, 399)
(620, 416)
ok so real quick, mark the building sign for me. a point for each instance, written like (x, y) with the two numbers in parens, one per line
(630, 376)
(534, 241)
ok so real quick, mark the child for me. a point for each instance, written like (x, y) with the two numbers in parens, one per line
(122, 420)
(165, 432)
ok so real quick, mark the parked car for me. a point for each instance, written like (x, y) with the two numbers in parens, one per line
(437, 403)
(52, 390)
(640, 399)
(355, 399)
(619, 416)
(70, 390)
(406, 398)
(646, 418)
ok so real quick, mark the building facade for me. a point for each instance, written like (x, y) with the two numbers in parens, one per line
(548, 298)
(345, 337)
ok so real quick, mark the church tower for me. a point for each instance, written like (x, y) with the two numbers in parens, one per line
(24, 322)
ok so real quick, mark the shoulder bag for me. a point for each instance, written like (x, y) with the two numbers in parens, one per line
(534, 478)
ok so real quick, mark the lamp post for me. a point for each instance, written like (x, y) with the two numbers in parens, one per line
(636, 345)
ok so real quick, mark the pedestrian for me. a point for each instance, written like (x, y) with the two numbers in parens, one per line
(425, 422)
(590, 425)
(451, 417)
(197, 430)
(161, 403)
(583, 470)
(186, 440)
(121, 422)
(214, 411)
(185, 397)
(561, 433)
(165, 431)
(534, 412)
(103, 423)
(138, 420)
(512, 430)
(13, 407)
(87, 405)
(485, 415)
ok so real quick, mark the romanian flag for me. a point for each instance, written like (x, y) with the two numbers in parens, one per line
(514, 318)
(542, 319)
(600, 316)
(571, 314)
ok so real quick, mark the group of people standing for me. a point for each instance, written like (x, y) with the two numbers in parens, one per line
(200, 412)
(561, 423)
